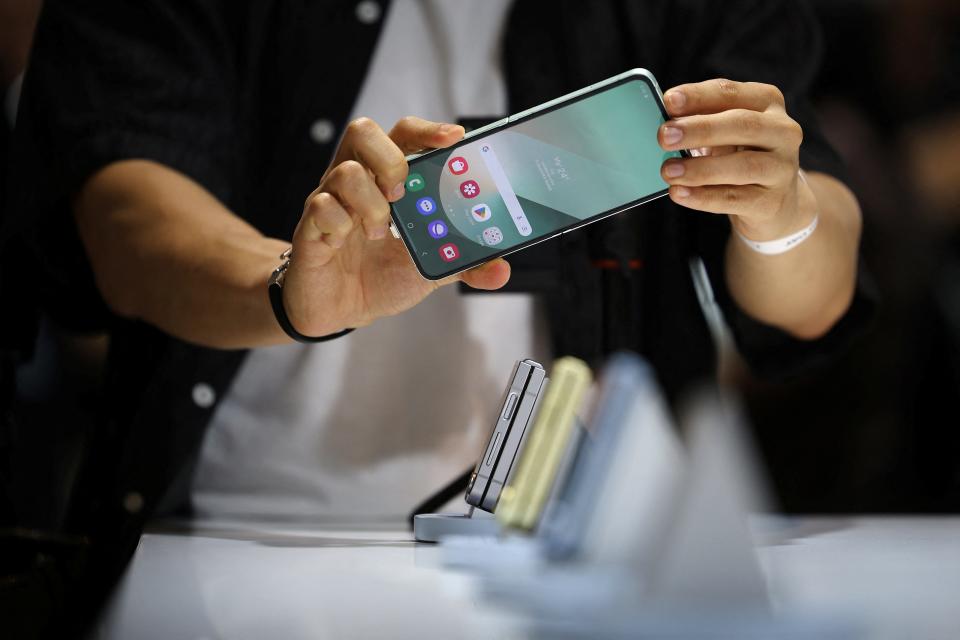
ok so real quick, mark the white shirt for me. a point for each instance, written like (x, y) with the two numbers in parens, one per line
(369, 425)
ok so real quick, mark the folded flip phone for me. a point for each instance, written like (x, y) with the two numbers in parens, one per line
(520, 400)
(524, 498)
(625, 378)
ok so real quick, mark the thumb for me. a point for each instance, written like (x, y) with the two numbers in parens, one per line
(414, 134)
(489, 276)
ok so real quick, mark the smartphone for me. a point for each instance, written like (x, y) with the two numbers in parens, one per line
(534, 175)
(524, 498)
(520, 400)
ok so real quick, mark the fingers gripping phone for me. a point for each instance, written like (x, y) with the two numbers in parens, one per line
(534, 175)
(527, 383)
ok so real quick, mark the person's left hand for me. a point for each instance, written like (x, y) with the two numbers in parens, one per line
(747, 156)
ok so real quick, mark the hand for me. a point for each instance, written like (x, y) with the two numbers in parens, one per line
(347, 270)
(747, 162)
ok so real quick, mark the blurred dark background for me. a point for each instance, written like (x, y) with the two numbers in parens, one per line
(874, 432)
(878, 430)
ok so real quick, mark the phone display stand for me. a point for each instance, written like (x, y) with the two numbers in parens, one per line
(433, 527)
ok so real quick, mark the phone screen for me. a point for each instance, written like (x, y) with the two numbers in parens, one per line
(531, 179)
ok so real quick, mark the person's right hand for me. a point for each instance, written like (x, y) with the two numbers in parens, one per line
(347, 269)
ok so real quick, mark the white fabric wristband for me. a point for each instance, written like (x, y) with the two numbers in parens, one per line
(780, 245)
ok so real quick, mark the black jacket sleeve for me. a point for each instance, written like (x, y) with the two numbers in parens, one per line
(110, 80)
(775, 42)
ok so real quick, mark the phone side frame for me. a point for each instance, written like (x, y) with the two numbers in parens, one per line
(480, 480)
(503, 123)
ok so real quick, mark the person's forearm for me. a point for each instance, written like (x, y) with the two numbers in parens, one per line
(167, 252)
(807, 289)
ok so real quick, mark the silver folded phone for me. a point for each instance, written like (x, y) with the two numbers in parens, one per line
(516, 412)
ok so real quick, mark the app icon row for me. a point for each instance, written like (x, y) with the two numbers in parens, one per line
(469, 189)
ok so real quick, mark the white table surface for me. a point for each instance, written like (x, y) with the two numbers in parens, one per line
(899, 576)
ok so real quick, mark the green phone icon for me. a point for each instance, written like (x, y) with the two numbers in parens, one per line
(415, 182)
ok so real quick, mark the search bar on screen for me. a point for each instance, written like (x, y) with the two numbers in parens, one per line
(506, 190)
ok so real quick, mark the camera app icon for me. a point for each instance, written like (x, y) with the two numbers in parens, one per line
(449, 252)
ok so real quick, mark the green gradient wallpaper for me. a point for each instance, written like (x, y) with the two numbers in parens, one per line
(534, 178)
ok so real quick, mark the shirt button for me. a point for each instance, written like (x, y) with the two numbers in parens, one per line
(322, 131)
(133, 502)
(368, 12)
(203, 395)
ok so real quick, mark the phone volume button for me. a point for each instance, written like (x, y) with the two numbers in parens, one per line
(510, 406)
(493, 448)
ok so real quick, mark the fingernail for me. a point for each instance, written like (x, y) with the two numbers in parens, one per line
(676, 99)
(378, 233)
(672, 135)
(681, 192)
(397, 191)
(674, 169)
(447, 129)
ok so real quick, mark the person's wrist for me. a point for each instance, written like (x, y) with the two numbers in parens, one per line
(798, 213)
(303, 320)
(294, 319)
(293, 311)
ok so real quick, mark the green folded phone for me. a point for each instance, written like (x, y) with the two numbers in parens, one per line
(524, 498)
